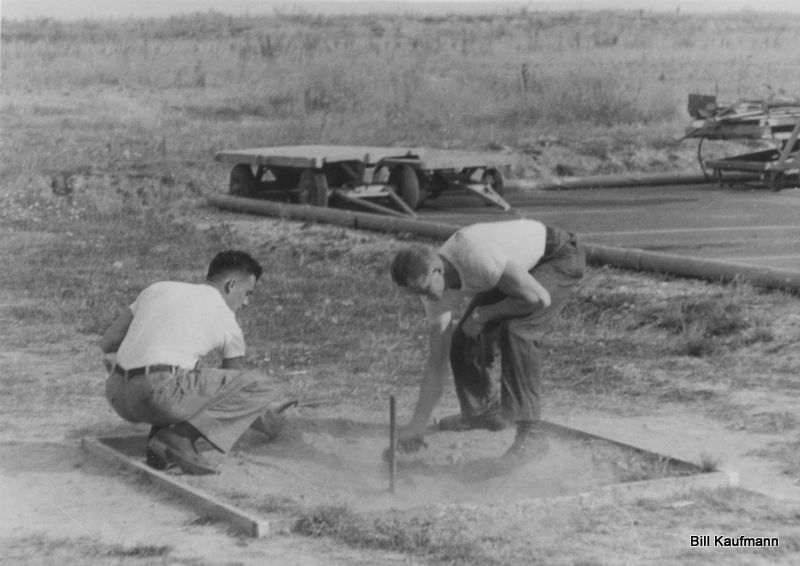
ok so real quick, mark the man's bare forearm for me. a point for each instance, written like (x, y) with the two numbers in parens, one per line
(436, 372)
(430, 391)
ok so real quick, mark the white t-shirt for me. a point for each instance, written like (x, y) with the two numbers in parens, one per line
(177, 324)
(480, 253)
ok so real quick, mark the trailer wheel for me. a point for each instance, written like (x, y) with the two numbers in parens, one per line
(404, 178)
(776, 181)
(286, 178)
(493, 179)
(313, 188)
(243, 183)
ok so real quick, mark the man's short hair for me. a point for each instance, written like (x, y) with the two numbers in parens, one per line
(411, 263)
(233, 261)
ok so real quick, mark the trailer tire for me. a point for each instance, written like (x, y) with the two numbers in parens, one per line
(776, 181)
(313, 188)
(404, 178)
(243, 183)
(286, 178)
(494, 180)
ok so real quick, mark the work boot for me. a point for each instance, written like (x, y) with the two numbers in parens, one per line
(460, 423)
(270, 424)
(530, 443)
(176, 444)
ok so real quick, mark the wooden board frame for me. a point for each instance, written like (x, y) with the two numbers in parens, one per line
(244, 522)
(258, 527)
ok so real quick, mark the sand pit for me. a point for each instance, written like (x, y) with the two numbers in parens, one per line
(320, 461)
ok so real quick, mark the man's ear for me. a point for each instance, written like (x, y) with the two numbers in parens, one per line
(229, 285)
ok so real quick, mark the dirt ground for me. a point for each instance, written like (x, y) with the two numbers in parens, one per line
(61, 507)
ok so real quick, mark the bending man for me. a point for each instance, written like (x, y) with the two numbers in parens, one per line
(158, 342)
(517, 276)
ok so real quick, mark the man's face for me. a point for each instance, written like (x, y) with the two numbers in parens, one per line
(237, 289)
(429, 285)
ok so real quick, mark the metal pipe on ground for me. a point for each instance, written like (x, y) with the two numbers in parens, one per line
(696, 268)
(620, 181)
(627, 258)
(350, 219)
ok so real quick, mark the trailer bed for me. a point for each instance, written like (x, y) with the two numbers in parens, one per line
(366, 176)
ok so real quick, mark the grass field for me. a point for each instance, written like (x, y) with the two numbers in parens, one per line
(108, 136)
(609, 87)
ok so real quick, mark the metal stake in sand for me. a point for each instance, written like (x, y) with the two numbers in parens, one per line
(392, 442)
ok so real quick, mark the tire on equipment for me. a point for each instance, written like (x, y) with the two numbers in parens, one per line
(404, 178)
(313, 188)
(243, 183)
(494, 180)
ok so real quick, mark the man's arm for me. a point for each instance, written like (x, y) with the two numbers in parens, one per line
(115, 334)
(436, 373)
(524, 292)
(518, 283)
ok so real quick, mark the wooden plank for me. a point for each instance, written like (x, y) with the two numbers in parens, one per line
(241, 520)
(442, 159)
(621, 493)
(631, 491)
(310, 156)
(252, 157)
(615, 493)
(315, 156)
(585, 435)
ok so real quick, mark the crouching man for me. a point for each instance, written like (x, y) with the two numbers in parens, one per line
(517, 276)
(158, 342)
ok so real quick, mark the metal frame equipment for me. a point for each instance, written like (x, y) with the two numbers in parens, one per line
(775, 121)
(387, 180)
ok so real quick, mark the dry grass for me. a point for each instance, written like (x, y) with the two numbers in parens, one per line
(465, 81)
(617, 349)
(40, 550)
(422, 537)
(108, 135)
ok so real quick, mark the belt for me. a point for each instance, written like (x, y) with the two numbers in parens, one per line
(144, 370)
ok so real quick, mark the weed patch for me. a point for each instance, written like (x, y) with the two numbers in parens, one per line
(139, 551)
(414, 536)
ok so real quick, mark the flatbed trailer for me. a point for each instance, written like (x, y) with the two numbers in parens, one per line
(775, 122)
(389, 180)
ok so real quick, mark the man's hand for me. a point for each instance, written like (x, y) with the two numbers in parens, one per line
(473, 325)
(410, 439)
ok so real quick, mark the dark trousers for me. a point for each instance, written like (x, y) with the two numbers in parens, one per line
(516, 391)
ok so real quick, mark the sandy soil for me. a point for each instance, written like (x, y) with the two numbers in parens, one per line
(61, 507)
(329, 460)
(54, 495)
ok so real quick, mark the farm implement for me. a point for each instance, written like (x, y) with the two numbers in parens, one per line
(386, 180)
(776, 122)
